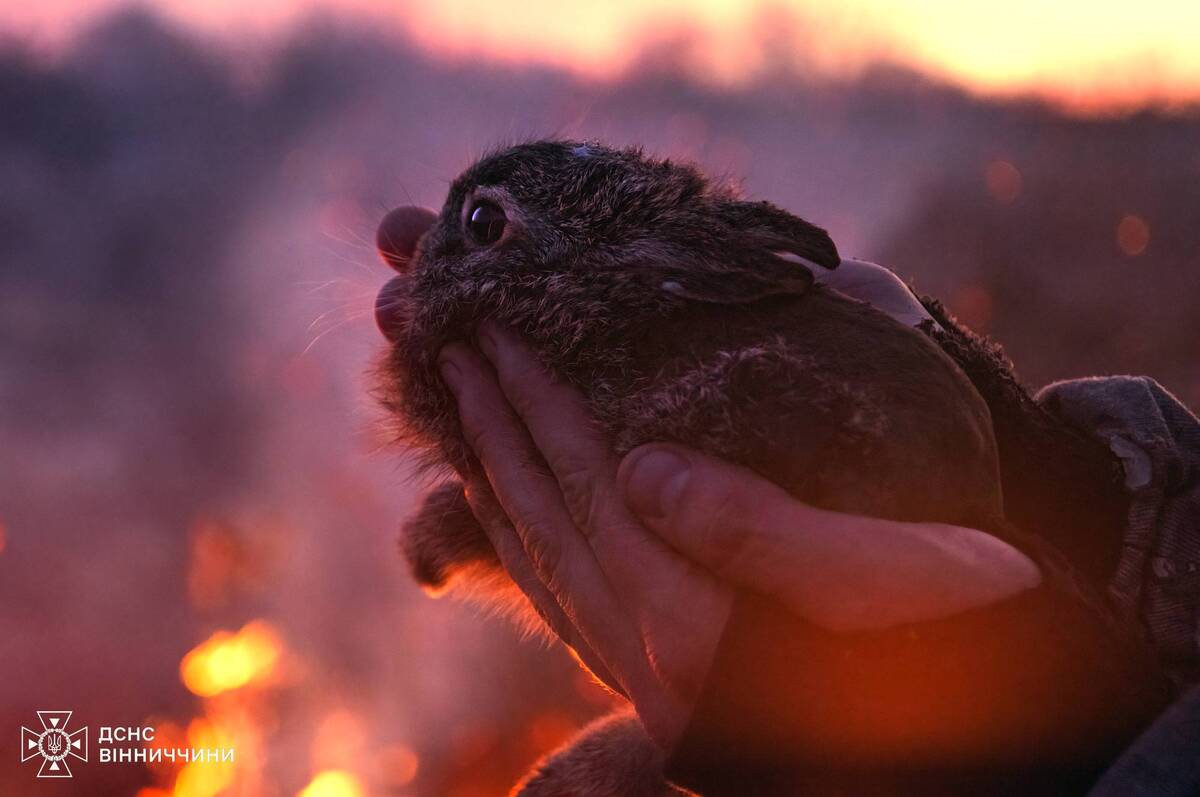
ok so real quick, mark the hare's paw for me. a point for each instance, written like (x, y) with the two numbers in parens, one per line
(443, 539)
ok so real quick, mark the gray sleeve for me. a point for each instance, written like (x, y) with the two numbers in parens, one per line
(1157, 439)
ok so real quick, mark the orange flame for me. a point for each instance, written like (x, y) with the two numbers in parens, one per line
(333, 783)
(205, 779)
(228, 661)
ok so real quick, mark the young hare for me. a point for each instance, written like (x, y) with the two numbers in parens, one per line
(681, 313)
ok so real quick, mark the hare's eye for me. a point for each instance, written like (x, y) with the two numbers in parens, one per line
(486, 223)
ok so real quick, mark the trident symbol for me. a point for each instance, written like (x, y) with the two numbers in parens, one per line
(54, 744)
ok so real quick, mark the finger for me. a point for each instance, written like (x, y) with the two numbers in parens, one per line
(530, 498)
(677, 606)
(512, 556)
(842, 571)
(727, 519)
(581, 459)
(557, 419)
(879, 287)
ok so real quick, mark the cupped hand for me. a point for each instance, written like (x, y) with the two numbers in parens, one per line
(631, 607)
(634, 563)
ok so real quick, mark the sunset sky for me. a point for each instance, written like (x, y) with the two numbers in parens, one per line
(1089, 54)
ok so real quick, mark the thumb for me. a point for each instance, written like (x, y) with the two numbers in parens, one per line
(842, 571)
(724, 517)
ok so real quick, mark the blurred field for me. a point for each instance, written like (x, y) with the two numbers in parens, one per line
(185, 339)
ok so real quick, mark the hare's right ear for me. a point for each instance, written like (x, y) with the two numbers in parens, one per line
(765, 226)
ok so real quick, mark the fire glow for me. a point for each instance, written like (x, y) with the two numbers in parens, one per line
(230, 661)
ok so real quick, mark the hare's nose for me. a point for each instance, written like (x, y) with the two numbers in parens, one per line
(399, 232)
(389, 309)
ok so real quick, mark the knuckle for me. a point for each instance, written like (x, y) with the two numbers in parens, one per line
(576, 484)
(530, 463)
(477, 435)
(518, 391)
(486, 430)
(520, 382)
(545, 551)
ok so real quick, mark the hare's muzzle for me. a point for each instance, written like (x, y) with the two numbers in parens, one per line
(396, 239)
(388, 309)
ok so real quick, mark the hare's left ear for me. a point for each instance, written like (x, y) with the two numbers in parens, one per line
(765, 226)
(758, 251)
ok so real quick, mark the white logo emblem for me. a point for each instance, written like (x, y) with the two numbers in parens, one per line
(54, 744)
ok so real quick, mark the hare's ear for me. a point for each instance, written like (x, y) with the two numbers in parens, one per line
(765, 226)
(741, 276)
(758, 250)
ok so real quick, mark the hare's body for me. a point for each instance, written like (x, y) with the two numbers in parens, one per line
(684, 314)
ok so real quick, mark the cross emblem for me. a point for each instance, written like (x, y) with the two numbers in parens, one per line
(54, 744)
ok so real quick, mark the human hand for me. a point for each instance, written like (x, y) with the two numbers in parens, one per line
(636, 612)
(632, 563)
(840, 571)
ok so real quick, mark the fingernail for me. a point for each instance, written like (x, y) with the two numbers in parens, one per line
(657, 479)
(486, 339)
(451, 373)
